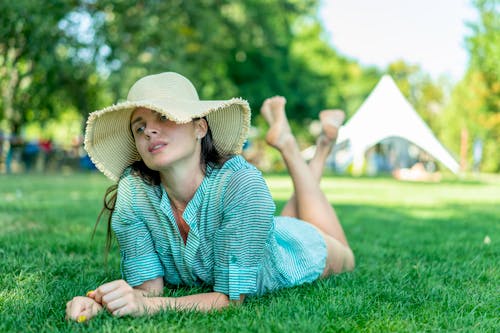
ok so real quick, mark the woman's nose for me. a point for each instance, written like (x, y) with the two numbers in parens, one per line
(150, 131)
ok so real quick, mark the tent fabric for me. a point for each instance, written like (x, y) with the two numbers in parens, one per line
(386, 113)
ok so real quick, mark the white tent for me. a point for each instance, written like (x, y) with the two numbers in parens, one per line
(386, 113)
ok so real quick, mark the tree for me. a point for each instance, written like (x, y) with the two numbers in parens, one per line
(475, 105)
(40, 68)
(484, 49)
(254, 49)
(227, 48)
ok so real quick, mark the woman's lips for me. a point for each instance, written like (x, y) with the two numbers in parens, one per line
(156, 147)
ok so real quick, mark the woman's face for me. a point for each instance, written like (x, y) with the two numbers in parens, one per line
(162, 143)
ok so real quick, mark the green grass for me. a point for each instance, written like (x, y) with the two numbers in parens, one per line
(422, 264)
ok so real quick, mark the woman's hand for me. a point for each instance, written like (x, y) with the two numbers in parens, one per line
(82, 308)
(120, 299)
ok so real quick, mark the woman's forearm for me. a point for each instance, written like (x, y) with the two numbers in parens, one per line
(153, 290)
(198, 302)
(120, 299)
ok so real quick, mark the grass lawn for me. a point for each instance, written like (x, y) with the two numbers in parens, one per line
(422, 261)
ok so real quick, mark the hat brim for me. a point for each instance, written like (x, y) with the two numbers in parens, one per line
(111, 146)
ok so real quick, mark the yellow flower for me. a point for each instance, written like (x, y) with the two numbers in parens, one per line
(81, 319)
(88, 293)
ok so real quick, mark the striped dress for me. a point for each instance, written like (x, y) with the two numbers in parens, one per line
(235, 243)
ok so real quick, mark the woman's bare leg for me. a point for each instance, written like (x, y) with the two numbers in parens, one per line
(310, 202)
(330, 123)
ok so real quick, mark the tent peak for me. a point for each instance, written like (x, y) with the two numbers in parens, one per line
(386, 113)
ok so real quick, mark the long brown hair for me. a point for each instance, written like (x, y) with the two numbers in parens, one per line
(209, 156)
(108, 207)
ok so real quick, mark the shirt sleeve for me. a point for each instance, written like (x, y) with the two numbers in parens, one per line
(139, 260)
(239, 247)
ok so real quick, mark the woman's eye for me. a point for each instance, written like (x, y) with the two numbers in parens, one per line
(163, 118)
(139, 130)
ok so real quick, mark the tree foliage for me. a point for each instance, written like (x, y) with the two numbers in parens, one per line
(38, 74)
(254, 49)
(484, 49)
(475, 103)
(85, 54)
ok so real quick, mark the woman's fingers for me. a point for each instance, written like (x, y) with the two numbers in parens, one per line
(82, 309)
(119, 298)
(74, 308)
(112, 291)
(89, 312)
(107, 288)
(116, 294)
(120, 307)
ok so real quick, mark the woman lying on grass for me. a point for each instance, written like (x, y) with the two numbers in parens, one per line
(190, 210)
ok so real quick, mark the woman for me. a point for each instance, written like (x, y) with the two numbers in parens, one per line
(190, 210)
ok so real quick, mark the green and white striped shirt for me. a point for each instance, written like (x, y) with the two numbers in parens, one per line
(235, 243)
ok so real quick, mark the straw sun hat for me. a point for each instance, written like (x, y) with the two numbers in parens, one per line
(108, 138)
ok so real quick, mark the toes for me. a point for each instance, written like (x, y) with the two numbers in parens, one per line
(265, 110)
(273, 108)
(332, 117)
(331, 120)
(277, 102)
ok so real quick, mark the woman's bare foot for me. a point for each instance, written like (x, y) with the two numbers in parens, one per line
(279, 134)
(265, 110)
(331, 120)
